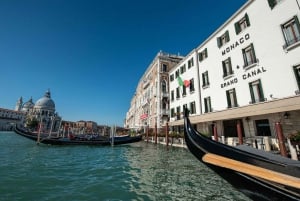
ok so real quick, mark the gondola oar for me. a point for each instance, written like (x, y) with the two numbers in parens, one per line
(251, 170)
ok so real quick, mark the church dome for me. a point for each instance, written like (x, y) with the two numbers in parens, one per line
(28, 105)
(45, 103)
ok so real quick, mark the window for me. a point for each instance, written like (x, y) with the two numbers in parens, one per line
(242, 24)
(273, 3)
(178, 113)
(249, 56)
(297, 75)
(202, 55)
(183, 90)
(176, 74)
(182, 69)
(207, 105)
(172, 112)
(223, 39)
(172, 95)
(164, 68)
(192, 108)
(192, 85)
(205, 81)
(227, 67)
(184, 107)
(231, 98)
(256, 92)
(291, 32)
(263, 127)
(164, 86)
(177, 93)
(190, 62)
(172, 77)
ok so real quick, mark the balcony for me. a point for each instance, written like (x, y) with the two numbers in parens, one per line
(164, 112)
(165, 95)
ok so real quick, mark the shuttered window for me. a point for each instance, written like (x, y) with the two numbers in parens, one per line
(291, 31)
(231, 98)
(256, 92)
(242, 24)
(223, 39)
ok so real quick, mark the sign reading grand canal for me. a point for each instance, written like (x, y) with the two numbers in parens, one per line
(245, 76)
(254, 73)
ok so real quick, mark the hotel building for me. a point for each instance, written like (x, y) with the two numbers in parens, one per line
(149, 106)
(244, 75)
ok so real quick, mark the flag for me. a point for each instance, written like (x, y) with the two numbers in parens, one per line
(180, 82)
(186, 83)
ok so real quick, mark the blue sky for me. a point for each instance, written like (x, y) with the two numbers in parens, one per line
(91, 53)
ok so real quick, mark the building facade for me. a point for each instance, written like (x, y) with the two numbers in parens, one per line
(8, 119)
(246, 74)
(43, 112)
(149, 106)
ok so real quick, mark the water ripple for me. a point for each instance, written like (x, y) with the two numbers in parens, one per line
(139, 171)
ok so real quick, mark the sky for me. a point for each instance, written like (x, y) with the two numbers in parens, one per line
(91, 54)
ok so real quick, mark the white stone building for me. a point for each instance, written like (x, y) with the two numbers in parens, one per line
(247, 72)
(43, 111)
(149, 106)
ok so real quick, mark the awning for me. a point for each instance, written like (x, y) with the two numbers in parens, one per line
(262, 108)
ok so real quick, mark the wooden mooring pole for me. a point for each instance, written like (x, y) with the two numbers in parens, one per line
(281, 140)
(167, 134)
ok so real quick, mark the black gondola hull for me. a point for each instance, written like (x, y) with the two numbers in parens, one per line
(100, 141)
(253, 187)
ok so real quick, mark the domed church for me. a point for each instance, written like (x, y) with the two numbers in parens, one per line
(43, 111)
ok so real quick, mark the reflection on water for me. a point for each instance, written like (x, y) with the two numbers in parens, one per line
(138, 171)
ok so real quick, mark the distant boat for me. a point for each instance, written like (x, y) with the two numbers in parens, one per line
(258, 174)
(81, 140)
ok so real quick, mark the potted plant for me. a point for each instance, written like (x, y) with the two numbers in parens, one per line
(294, 137)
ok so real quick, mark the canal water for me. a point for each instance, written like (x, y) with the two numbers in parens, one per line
(139, 171)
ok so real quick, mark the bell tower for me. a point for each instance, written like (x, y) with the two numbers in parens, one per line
(19, 104)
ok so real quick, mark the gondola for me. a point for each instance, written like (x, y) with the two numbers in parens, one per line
(258, 174)
(108, 141)
(28, 134)
(99, 140)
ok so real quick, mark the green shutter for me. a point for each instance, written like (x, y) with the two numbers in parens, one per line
(227, 36)
(229, 61)
(261, 92)
(219, 42)
(206, 52)
(229, 104)
(205, 105)
(237, 28)
(224, 69)
(207, 78)
(234, 97)
(200, 56)
(252, 48)
(297, 76)
(244, 56)
(251, 93)
(272, 3)
(247, 20)
(297, 22)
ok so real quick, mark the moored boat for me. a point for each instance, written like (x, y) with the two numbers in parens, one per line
(82, 140)
(105, 141)
(258, 174)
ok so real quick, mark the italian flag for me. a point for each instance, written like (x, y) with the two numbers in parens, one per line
(186, 83)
